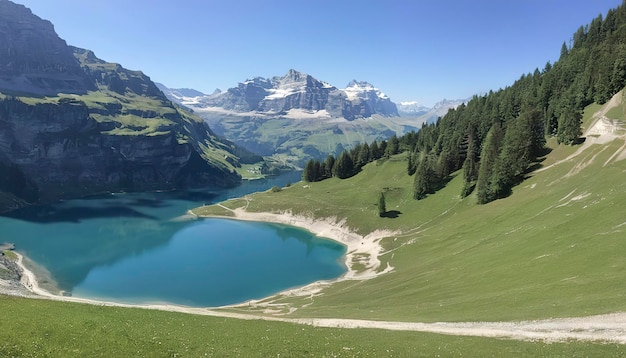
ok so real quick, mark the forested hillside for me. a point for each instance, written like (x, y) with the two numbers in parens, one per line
(496, 138)
(499, 137)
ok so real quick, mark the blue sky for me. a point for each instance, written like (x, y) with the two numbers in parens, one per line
(412, 50)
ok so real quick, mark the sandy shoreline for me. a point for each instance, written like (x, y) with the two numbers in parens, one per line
(362, 250)
(604, 328)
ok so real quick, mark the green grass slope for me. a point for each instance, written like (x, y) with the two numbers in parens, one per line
(552, 249)
(294, 140)
(40, 328)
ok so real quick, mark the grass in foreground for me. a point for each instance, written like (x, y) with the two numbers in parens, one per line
(36, 328)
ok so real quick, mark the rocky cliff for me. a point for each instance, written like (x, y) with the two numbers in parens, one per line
(72, 124)
(34, 59)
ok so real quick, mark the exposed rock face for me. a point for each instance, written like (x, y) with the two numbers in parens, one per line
(180, 92)
(105, 128)
(364, 100)
(299, 91)
(426, 114)
(34, 59)
(412, 108)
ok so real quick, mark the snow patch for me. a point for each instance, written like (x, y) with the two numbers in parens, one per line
(362, 90)
(284, 92)
(297, 113)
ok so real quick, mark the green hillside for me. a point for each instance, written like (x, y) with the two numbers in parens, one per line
(551, 249)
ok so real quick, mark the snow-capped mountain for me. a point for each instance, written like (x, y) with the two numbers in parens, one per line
(369, 99)
(296, 117)
(427, 114)
(179, 94)
(412, 109)
(295, 94)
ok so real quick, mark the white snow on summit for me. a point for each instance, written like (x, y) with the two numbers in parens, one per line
(409, 103)
(362, 90)
(283, 92)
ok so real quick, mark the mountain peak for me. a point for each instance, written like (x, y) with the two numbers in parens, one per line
(295, 75)
(363, 90)
(300, 92)
(360, 84)
(34, 58)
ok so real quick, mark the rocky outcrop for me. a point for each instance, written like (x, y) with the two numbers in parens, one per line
(101, 127)
(58, 150)
(365, 100)
(34, 59)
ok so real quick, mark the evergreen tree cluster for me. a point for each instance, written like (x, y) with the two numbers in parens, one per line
(351, 161)
(496, 137)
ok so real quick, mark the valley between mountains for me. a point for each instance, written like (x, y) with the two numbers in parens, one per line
(491, 225)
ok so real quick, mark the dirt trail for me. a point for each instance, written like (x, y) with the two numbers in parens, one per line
(603, 328)
(602, 130)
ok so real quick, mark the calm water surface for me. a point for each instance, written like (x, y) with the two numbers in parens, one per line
(131, 248)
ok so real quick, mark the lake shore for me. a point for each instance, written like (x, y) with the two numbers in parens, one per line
(361, 251)
(600, 328)
(604, 328)
(362, 256)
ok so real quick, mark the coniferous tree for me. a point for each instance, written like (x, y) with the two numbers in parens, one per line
(470, 166)
(363, 156)
(329, 164)
(382, 206)
(322, 171)
(374, 151)
(382, 149)
(488, 157)
(308, 174)
(413, 160)
(392, 146)
(564, 51)
(344, 166)
(569, 127)
(425, 178)
(442, 167)
(317, 172)
(523, 141)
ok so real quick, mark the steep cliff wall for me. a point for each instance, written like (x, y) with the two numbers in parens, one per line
(59, 151)
(72, 124)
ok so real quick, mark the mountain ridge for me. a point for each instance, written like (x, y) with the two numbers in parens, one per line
(292, 132)
(194, 98)
(72, 124)
(294, 90)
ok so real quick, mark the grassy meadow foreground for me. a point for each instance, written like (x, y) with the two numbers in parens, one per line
(41, 328)
(551, 249)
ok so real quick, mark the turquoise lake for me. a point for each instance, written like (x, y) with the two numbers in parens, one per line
(133, 248)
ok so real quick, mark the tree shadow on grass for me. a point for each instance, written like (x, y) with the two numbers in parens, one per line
(392, 214)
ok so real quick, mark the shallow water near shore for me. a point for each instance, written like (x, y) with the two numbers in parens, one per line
(136, 248)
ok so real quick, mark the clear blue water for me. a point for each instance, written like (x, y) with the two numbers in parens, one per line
(130, 248)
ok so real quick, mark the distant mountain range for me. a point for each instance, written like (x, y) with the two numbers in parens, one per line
(299, 95)
(294, 94)
(428, 114)
(296, 117)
